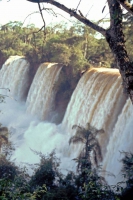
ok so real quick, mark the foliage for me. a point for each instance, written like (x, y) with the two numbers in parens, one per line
(127, 170)
(46, 172)
(94, 186)
(48, 183)
(75, 46)
(87, 136)
(14, 182)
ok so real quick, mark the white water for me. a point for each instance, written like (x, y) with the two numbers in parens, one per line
(41, 95)
(120, 141)
(23, 119)
(14, 77)
(98, 99)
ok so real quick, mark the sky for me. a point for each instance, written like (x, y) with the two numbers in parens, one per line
(18, 10)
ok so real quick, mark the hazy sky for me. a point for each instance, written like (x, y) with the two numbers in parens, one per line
(18, 10)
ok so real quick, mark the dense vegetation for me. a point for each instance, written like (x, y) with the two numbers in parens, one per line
(74, 46)
(48, 183)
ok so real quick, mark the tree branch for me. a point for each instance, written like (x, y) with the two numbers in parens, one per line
(126, 5)
(41, 13)
(74, 14)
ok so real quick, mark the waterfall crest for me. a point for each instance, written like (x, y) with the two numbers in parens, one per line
(41, 94)
(14, 77)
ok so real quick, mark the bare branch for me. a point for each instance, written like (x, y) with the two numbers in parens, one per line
(88, 11)
(78, 4)
(42, 19)
(126, 5)
(41, 13)
(99, 21)
(36, 12)
(38, 30)
(103, 8)
(81, 14)
(74, 14)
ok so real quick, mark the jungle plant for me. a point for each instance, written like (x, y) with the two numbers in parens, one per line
(127, 171)
(92, 186)
(87, 136)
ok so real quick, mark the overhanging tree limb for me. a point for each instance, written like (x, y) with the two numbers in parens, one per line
(73, 13)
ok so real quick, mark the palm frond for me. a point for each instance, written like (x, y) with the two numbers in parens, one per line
(77, 127)
(75, 140)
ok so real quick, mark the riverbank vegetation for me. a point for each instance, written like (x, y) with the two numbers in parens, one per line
(75, 46)
(48, 183)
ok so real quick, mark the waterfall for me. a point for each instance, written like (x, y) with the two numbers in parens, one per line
(121, 141)
(14, 77)
(97, 99)
(41, 95)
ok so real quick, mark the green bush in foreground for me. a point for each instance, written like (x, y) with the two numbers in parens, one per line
(48, 183)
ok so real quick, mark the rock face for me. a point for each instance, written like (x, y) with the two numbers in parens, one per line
(2, 59)
(3, 137)
(64, 88)
(3, 130)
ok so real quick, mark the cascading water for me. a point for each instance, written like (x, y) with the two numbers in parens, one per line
(121, 141)
(97, 99)
(27, 132)
(41, 95)
(14, 77)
